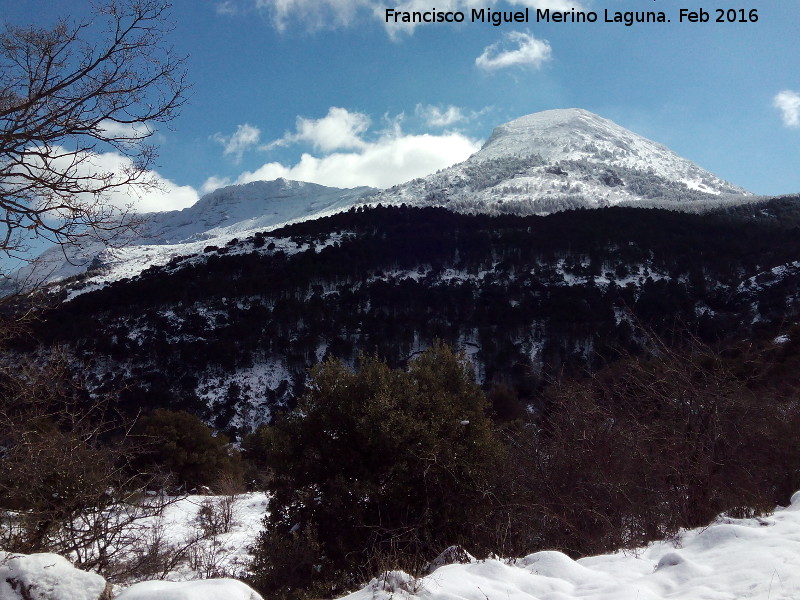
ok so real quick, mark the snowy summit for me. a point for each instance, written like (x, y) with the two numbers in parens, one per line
(560, 159)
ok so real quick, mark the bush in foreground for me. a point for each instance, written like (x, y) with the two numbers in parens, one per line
(376, 468)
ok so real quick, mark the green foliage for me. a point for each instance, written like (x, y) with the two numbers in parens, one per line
(185, 447)
(378, 465)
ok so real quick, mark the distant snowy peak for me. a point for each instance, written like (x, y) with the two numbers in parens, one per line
(562, 134)
(537, 164)
(225, 213)
(560, 159)
(239, 208)
(575, 134)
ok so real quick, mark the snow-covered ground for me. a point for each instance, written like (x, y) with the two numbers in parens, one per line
(730, 559)
(46, 577)
(220, 553)
(205, 554)
(208, 589)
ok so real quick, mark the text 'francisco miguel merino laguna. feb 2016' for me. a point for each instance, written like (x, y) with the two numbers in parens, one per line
(627, 18)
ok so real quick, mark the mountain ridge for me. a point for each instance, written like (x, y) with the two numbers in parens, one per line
(216, 218)
(523, 296)
(536, 164)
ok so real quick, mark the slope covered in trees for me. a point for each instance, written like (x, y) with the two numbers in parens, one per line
(230, 332)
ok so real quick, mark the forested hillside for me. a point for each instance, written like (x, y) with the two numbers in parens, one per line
(231, 332)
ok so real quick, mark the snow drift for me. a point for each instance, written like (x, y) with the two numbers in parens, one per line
(732, 558)
(755, 558)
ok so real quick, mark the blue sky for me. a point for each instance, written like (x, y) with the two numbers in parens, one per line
(325, 91)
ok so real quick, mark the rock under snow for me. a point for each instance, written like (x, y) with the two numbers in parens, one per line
(47, 577)
(451, 556)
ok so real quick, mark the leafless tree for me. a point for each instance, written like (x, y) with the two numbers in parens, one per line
(66, 482)
(69, 94)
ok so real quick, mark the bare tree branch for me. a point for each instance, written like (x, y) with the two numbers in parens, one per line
(65, 100)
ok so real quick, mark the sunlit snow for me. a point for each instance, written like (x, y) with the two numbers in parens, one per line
(755, 558)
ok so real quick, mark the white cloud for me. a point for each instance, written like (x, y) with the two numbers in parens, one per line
(516, 49)
(324, 14)
(788, 102)
(244, 138)
(168, 196)
(104, 176)
(159, 193)
(214, 183)
(395, 157)
(349, 157)
(226, 8)
(125, 131)
(339, 129)
(435, 116)
(315, 14)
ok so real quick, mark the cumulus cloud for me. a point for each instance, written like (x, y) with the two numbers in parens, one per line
(214, 183)
(125, 131)
(104, 174)
(339, 129)
(159, 195)
(347, 158)
(436, 116)
(515, 49)
(788, 102)
(244, 138)
(391, 160)
(166, 196)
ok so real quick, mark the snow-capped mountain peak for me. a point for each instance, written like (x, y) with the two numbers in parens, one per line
(576, 134)
(548, 133)
(560, 159)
